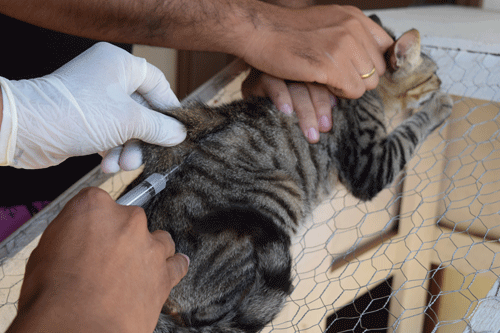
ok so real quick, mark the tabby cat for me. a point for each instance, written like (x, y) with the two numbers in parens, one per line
(248, 178)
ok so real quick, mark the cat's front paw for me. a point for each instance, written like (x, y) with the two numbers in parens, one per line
(443, 104)
(439, 108)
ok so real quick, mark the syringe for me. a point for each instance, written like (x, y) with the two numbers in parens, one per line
(147, 189)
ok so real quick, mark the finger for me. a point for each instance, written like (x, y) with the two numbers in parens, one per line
(380, 36)
(109, 163)
(156, 90)
(165, 240)
(157, 128)
(376, 41)
(177, 267)
(378, 62)
(131, 155)
(370, 78)
(277, 90)
(323, 103)
(304, 109)
(361, 63)
(349, 83)
(375, 59)
(265, 85)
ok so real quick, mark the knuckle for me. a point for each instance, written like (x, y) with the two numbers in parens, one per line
(164, 238)
(91, 196)
(134, 219)
(164, 244)
(352, 22)
(91, 192)
(137, 214)
(355, 90)
(347, 42)
(353, 9)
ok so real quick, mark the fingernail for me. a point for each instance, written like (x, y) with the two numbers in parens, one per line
(313, 134)
(185, 256)
(333, 101)
(286, 109)
(324, 122)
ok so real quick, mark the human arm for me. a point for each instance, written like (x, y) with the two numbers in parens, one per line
(297, 44)
(97, 268)
(97, 103)
(291, 3)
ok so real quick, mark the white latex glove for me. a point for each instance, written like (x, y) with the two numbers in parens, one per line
(96, 103)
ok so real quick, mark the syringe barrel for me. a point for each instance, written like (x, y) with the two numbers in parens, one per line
(143, 192)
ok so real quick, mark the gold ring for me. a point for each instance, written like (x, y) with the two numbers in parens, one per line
(365, 76)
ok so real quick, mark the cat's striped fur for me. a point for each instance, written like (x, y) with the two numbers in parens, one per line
(248, 178)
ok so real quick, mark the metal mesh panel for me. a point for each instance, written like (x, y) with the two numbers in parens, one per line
(434, 233)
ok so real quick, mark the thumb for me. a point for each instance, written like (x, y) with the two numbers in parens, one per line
(157, 128)
(156, 90)
(177, 267)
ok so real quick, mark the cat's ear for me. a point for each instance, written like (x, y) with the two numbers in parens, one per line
(406, 50)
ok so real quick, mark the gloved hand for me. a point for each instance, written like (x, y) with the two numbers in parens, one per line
(97, 103)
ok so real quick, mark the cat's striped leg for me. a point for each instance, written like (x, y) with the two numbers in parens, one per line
(366, 169)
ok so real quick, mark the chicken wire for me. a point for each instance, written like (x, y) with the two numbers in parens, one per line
(437, 226)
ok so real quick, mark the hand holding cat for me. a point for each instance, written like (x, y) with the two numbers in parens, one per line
(97, 268)
(330, 45)
(357, 45)
(97, 102)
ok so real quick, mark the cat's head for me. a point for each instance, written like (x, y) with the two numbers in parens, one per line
(411, 77)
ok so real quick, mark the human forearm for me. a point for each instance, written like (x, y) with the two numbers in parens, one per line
(332, 45)
(291, 3)
(210, 25)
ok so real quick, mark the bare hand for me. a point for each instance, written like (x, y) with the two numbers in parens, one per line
(97, 268)
(331, 45)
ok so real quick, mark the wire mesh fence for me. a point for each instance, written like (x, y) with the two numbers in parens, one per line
(418, 258)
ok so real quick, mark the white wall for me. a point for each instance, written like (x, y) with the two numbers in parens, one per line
(164, 59)
(491, 4)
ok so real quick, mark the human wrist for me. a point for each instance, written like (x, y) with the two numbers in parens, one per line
(253, 21)
(49, 313)
(218, 26)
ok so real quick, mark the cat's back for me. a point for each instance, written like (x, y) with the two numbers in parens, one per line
(239, 170)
